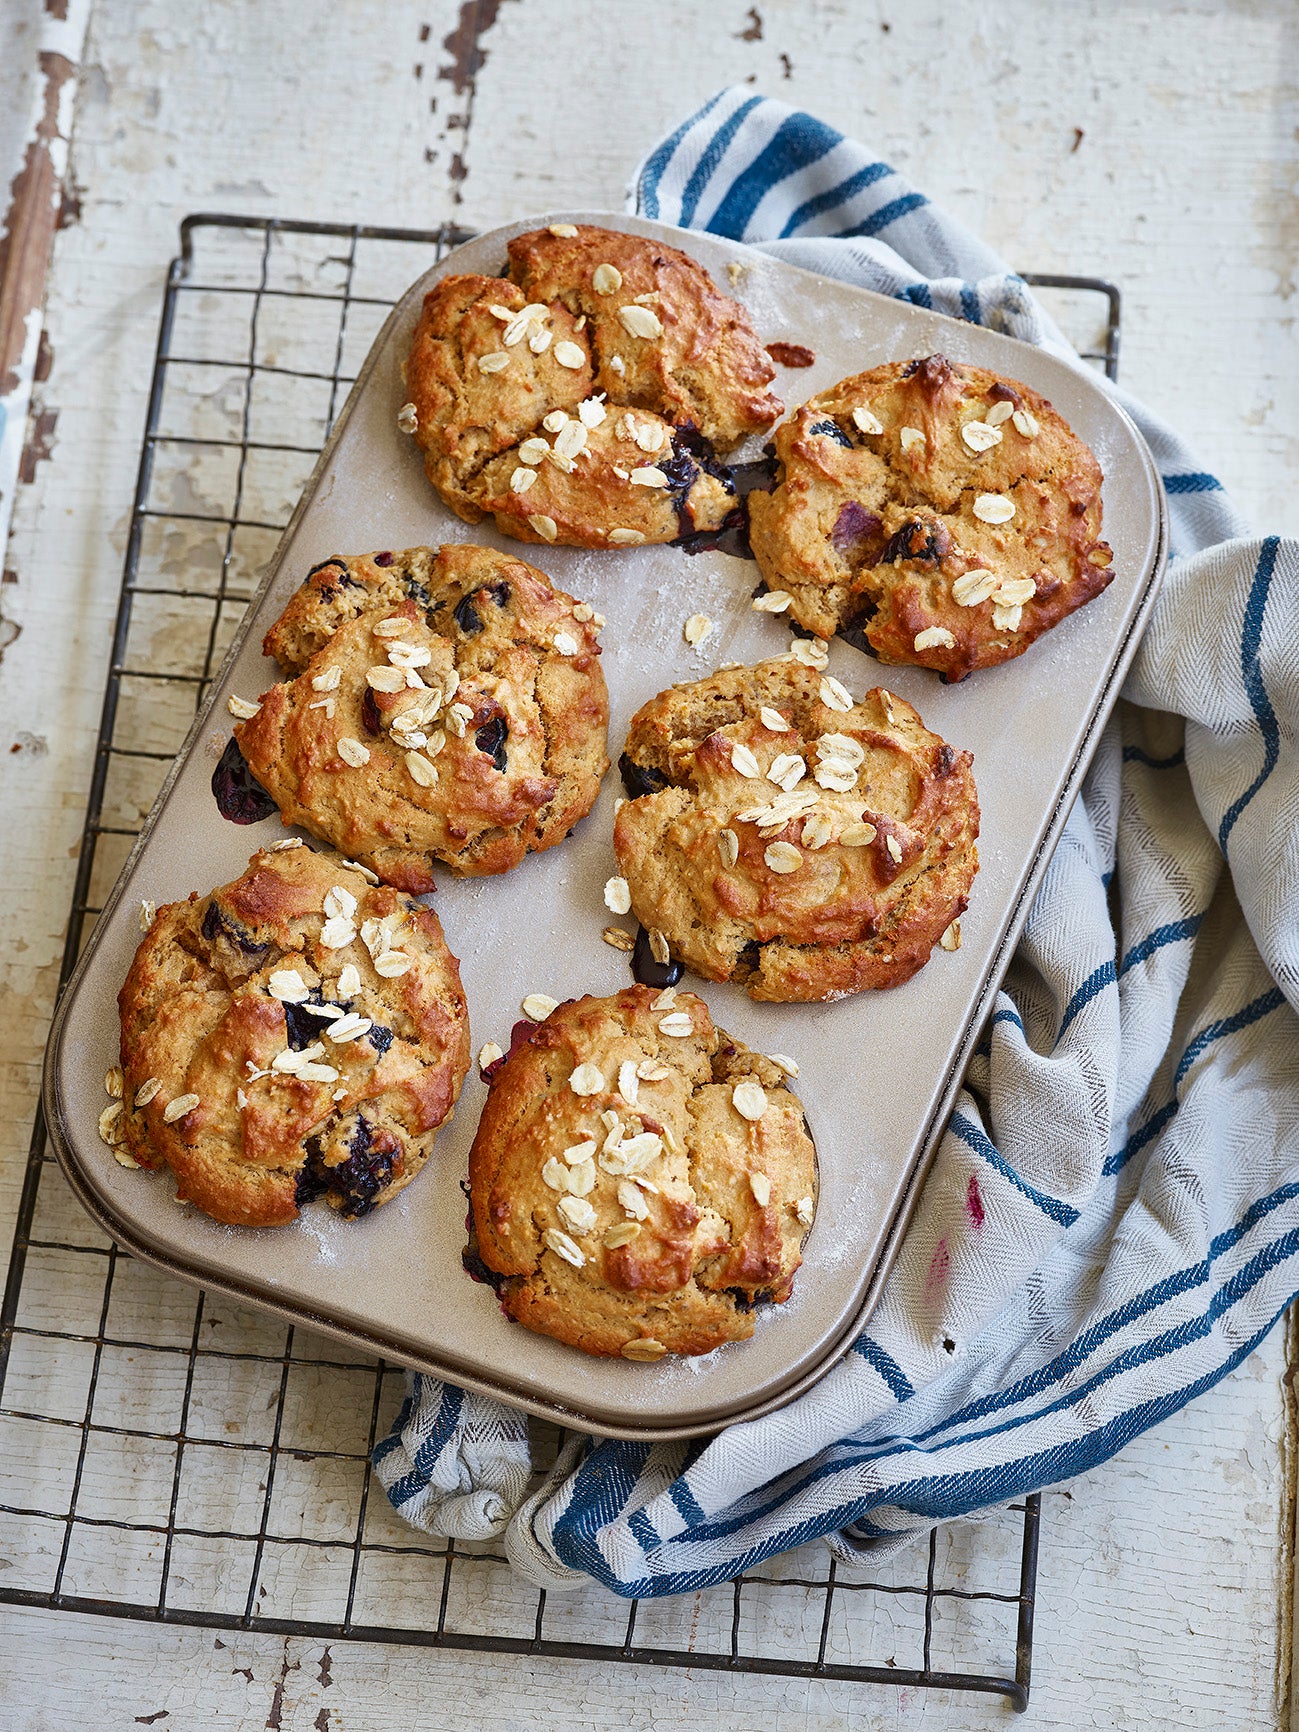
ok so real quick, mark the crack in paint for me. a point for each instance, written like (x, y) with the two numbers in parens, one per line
(274, 1719)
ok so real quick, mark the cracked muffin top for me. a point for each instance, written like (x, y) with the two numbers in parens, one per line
(581, 398)
(640, 1181)
(947, 514)
(791, 838)
(299, 1033)
(445, 704)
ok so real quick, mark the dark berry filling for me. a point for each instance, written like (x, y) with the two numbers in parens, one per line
(692, 454)
(832, 430)
(758, 476)
(646, 970)
(639, 779)
(217, 925)
(748, 961)
(356, 1181)
(310, 1183)
(924, 543)
(383, 559)
(239, 795)
(466, 616)
(491, 738)
(343, 579)
(520, 1035)
(855, 530)
(477, 1270)
(371, 720)
(500, 593)
(416, 591)
(731, 536)
(300, 1027)
(853, 631)
(379, 1037)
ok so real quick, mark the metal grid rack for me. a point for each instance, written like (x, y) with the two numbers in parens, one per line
(193, 1462)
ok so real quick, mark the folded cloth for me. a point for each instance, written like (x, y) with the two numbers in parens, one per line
(1111, 1222)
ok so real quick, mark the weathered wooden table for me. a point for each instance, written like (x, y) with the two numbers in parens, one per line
(1156, 148)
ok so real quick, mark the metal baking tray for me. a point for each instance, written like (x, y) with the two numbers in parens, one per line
(878, 1071)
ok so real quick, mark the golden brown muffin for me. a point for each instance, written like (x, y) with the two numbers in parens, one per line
(447, 704)
(948, 514)
(639, 1180)
(785, 836)
(299, 1033)
(582, 399)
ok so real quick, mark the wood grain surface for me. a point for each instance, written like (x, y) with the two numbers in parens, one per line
(1157, 145)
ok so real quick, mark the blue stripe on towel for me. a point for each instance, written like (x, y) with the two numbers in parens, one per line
(652, 173)
(797, 143)
(717, 148)
(1201, 483)
(973, 1138)
(1252, 675)
(888, 1367)
(890, 213)
(837, 195)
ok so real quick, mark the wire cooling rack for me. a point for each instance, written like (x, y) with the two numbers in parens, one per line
(178, 1459)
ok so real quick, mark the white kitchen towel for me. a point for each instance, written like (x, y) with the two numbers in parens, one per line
(1112, 1219)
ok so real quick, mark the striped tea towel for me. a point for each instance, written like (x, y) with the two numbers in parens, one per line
(1112, 1220)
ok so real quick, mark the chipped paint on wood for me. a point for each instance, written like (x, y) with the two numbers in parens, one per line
(468, 57)
(29, 224)
(34, 211)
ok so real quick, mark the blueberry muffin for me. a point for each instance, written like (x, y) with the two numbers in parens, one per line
(639, 1181)
(786, 836)
(300, 1033)
(583, 398)
(948, 515)
(444, 704)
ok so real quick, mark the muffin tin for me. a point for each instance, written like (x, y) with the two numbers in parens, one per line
(878, 1071)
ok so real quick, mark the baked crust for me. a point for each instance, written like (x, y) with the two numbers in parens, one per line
(865, 532)
(705, 1249)
(623, 421)
(501, 655)
(840, 877)
(202, 1017)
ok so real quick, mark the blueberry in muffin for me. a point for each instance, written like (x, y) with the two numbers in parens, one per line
(586, 397)
(946, 515)
(444, 704)
(299, 1033)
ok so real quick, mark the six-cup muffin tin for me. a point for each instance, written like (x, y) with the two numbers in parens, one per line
(878, 1072)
